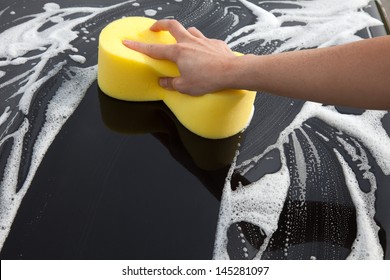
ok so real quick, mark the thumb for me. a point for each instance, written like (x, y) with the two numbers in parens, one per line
(167, 83)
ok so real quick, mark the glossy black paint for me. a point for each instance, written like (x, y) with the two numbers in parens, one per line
(147, 188)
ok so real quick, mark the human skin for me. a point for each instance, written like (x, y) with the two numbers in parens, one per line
(355, 74)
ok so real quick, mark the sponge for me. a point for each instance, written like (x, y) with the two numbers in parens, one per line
(129, 75)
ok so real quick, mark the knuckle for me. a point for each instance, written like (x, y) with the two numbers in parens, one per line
(149, 49)
(178, 85)
(173, 23)
(178, 49)
(192, 29)
(218, 42)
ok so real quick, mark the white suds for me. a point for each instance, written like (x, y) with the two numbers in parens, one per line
(326, 22)
(366, 128)
(150, 12)
(78, 58)
(5, 115)
(259, 203)
(51, 7)
(366, 244)
(59, 109)
(52, 41)
(56, 19)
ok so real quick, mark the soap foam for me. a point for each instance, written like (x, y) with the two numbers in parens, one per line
(5, 115)
(78, 58)
(150, 12)
(366, 244)
(23, 39)
(365, 127)
(325, 23)
(59, 109)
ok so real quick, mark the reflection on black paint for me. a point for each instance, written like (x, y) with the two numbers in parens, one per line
(154, 117)
(318, 219)
(207, 159)
(83, 183)
(105, 195)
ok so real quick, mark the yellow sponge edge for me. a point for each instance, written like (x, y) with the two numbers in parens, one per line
(129, 75)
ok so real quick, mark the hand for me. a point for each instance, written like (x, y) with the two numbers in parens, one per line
(202, 62)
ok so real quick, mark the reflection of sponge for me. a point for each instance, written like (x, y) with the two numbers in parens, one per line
(128, 75)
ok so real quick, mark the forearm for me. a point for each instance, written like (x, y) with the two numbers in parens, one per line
(356, 74)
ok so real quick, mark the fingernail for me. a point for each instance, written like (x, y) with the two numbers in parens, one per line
(126, 42)
(163, 82)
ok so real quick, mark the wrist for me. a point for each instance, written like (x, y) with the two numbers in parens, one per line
(238, 72)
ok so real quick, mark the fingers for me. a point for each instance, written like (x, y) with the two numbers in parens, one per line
(195, 32)
(173, 83)
(176, 83)
(174, 27)
(160, 51)
(157, 51)
(166, 83)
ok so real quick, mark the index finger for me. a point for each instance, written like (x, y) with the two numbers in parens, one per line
(157, 51)
(172, 26)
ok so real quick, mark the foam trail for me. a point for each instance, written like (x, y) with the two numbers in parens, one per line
(366, 244)
(323, 23)
(59, 109)
(44, 45)
(365, 127)
(318, 23)
(36, 42)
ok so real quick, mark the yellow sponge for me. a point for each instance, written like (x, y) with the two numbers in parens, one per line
(129, 75)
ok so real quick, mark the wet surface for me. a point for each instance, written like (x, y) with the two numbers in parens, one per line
(105, 179)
